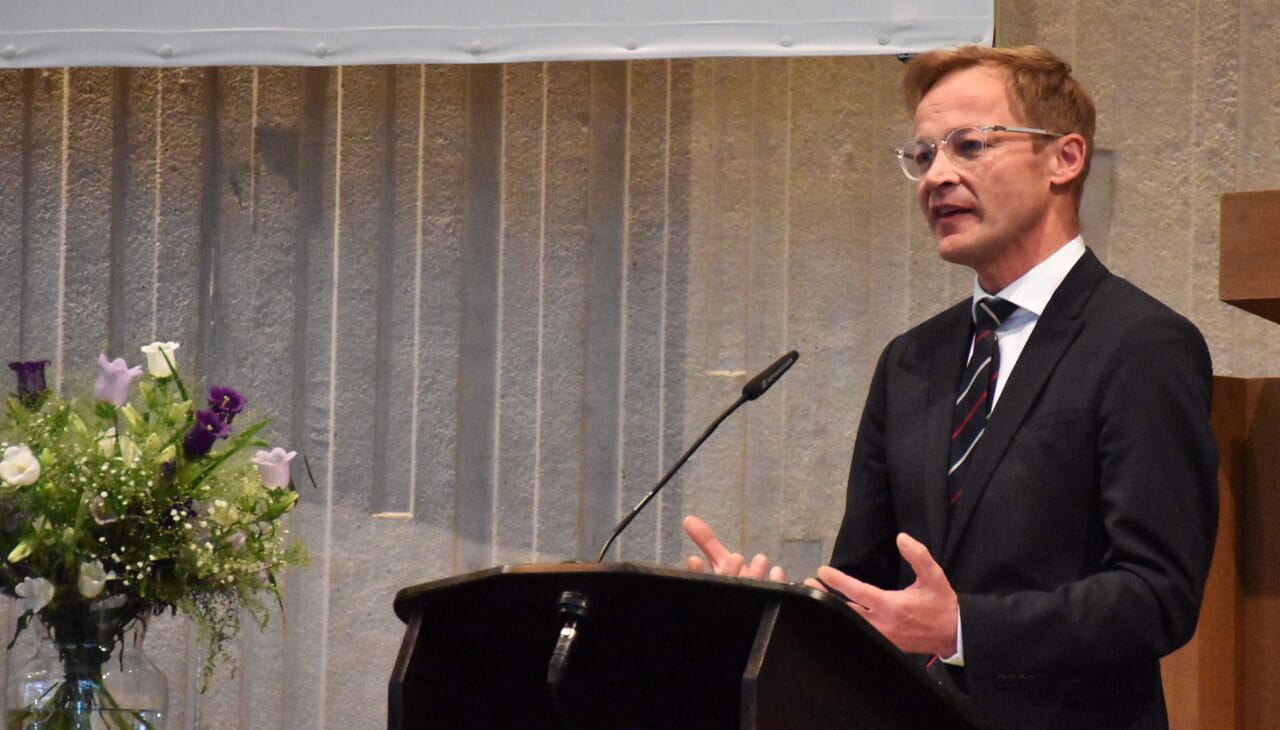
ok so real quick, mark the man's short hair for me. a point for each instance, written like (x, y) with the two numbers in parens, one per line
(1041, 88)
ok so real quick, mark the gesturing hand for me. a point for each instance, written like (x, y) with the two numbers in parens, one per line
(919, 619)
(719, 558)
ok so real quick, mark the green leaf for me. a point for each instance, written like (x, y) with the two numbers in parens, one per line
(242, 440)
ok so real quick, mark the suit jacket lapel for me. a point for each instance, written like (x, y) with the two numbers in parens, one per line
(1054, 332)
(940, 355)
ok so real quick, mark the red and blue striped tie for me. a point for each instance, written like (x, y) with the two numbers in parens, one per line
(977, 390)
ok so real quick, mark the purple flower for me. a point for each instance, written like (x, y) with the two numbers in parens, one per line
(31, 385)
(114, 378)
(209, 428)
(225, 402)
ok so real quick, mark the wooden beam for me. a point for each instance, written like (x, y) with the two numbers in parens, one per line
(1249, 252)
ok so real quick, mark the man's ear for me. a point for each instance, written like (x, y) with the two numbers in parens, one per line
(1068, 160)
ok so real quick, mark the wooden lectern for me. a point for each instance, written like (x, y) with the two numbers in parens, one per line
(657, 648)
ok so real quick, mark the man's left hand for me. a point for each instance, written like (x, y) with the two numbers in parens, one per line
(919, 619)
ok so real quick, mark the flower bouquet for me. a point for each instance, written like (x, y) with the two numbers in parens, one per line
(129, 503)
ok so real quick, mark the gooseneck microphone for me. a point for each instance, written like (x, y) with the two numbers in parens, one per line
(754, 388)
(574, 606)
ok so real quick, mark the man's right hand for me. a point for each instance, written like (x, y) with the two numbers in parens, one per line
(720, 560)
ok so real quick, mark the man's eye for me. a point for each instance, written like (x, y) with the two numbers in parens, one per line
(923, 156)
(967, 148)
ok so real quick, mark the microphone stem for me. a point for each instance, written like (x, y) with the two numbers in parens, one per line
(622, 525)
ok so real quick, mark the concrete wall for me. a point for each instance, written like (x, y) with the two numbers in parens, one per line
(502, 299)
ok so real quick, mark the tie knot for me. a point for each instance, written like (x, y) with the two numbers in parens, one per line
(991, 311)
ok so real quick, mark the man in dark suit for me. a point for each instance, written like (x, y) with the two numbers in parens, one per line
(1037, 520)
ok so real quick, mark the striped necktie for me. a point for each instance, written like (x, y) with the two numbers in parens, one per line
(977, 389)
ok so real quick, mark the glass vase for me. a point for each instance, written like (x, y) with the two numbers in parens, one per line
(88, 678)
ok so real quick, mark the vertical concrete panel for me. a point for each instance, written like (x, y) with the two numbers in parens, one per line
(203, 349)
(1217, 107)
(647, 237)
(42, 217)
(263, 305)
(679, 183)
(895, 223)
(1150, 243)
(442, 171)
(138, 112)
(522, 246)
(846, 270)
(179, 284)
(480, 302)
(721, 210)
(1092, 57)
(260, 319)
(1259, 57)
(15, 108)
(362, 228)
(364, 548)
(307, 600)
(398, 287)
(228, 224)
(564, 314)
(606, 296)
(86, 293)
(767, 297)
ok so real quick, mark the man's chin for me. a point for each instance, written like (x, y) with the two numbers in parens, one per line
(956, 249)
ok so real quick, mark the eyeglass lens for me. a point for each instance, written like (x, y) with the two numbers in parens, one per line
(962, 144)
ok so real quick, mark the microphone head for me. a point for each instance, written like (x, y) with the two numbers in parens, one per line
(770, 375)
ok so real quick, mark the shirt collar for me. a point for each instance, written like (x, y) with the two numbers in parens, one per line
(1032, 290)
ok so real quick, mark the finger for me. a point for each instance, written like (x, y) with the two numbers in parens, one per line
(815, 583)
(776, 573)
(854, 591)
(757, 568)
(705, 538)
(731, 565)
(919, 558)
(696, 564)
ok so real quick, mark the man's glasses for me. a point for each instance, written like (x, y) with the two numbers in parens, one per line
(964, 145)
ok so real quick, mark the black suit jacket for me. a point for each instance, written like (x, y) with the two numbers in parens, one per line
(1080, 547)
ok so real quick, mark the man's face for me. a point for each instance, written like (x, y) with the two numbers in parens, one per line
(990, 211)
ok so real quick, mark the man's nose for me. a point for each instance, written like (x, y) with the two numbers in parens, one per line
(942, 170)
